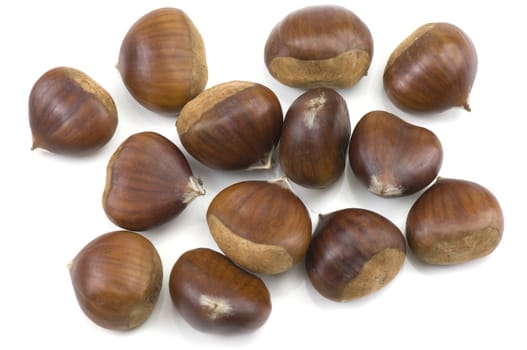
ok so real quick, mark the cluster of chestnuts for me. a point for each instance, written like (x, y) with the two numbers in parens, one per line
(262, 227)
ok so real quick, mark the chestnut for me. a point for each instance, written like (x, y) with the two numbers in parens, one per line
(393, 157)
(260, 225)
(319, 46)
(162, 60)
(233, 125)
(214, 295)
(69, 112)
(432, 70)
(117, 279)
(148, 182)
(354, 252)
(315, 137)
(454, 221)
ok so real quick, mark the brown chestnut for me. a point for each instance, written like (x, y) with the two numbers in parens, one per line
(215, 295)
(319, 46)
(117, 279)
(354, 252)
(393, 157)
(70, 113)
(148, 182)
(315, 137)
(432, 70)
(234, 125)
(260, 225)
(162, 60)
(454, 221)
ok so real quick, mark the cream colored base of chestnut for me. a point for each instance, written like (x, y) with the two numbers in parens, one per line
(375, 274)
(260, 258)
(341, 71)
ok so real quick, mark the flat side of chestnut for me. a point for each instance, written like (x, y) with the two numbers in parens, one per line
(117, 279)
(432, 70)
(454, 221)
(392, 157)
(234, 125)
(148, 182)
(162, 60)
(69, 112)
(260, 225)
(215, 295)
(315, 137)
(354, 252)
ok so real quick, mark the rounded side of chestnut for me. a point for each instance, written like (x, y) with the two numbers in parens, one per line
(214, 295)
(148, 182)
(315, 137)
(432, 70)
(117, 279)
(233, 125)
(262, 226)
(162, 60)
(354, 252)
(454, 221)
(319, 46)
(69, 112)
(392, 157)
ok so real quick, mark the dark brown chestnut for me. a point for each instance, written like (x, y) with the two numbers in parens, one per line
(215, 295)
(234, 125)
(319, 46)
(315, 137)
(162, 60)
(432, 70)
(117, 279)
(454, 221)
(69, 112)
(148, 182)
(354, 252)
(260, 225)
(393, 157)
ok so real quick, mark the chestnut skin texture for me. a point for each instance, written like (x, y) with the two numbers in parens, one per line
(392, 157)
(354, 252)
(162, 60)
(233, 125)
(319, 46)
(148, 182)
(454, 221)
(315, 137)
(261, 226)
(70, 113)
(214, 295)
(432, 70)
(117, 279)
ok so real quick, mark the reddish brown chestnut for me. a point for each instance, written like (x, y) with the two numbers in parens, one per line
(261, 226)
(70, 113)
(454, 221)
(215, 295)
(392, 157)
(432, 70)
(319, 46)
(234, 125)
(162, 60)
(148, 182)
(117, 278)
(354, 252)
(315, 137)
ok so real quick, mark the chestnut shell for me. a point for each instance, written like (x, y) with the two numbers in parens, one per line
(215, 295)
(315, 137)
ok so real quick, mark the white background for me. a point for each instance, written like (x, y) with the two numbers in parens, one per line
(52, 204)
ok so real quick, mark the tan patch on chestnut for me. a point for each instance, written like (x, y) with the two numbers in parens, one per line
(200, 73)
(383, 188)
(216, 307)
(340, 71)
(408, 42)
(271, 259)
(375, 274)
